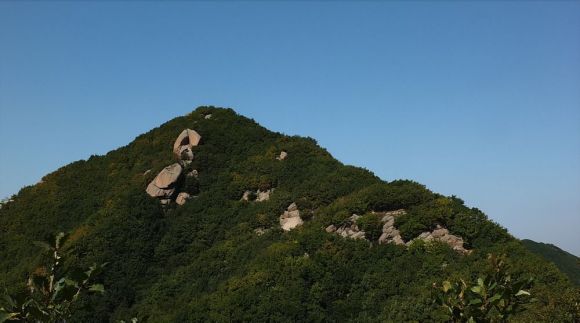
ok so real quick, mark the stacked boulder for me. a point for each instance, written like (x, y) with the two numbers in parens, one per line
(184, 143)
(164, 185)
(291, 219)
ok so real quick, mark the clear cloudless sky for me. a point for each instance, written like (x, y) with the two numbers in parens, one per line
(476, 99)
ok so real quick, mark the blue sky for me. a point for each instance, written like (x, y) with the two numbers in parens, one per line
(476, 99)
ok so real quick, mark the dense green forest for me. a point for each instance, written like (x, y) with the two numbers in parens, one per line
(565, 261)
(220, 258)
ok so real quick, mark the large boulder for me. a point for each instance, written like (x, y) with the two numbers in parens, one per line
(162, 185)
(186, 140)
(291, 218)
(168, 176)
(155, 191)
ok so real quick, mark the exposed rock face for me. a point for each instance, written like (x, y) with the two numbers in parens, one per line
(390, 233)
(350, 229)
(182, 198)
(331, 228)
(283, 155)
(246, 196)
(168, 176)
(291, 218)
(260, 231)
(207, 117)
(155, 191)
(260, 196)
(442, 234)
(162, 185)
(263, 196)
(186, 140)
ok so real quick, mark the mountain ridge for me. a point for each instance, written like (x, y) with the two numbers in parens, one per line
(219, 257)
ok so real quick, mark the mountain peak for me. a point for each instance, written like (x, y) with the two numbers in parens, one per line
(212, 216)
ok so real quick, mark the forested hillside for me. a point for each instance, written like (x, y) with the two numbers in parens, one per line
(223, 255)
(565, 261)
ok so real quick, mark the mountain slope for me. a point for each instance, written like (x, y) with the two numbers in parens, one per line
(220, 258)
(565, 261)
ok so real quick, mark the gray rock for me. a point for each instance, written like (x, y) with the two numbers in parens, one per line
(331, 228)
(291, 219)
(168, 176)
(182, 198)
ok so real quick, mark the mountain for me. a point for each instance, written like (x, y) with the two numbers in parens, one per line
(565, 261)
(228, 221)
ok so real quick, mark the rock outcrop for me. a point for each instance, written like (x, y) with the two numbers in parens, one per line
(184, 143)
(283, 155)
(291, 219)
(257, 196)
(162, 186)
(182, 198)
(442, 234)
(349, 229)
(390, 233)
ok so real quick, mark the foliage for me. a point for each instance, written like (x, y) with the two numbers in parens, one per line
(494, 297)
(372, 226)
(565, 261)
(50, 290)
(203, 261)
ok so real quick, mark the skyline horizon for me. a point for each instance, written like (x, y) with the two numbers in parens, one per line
(295, 134)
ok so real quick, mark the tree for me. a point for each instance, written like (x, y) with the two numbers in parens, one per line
(50, 290)
(494, 297)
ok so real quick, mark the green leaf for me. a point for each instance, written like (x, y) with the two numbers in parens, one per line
(8, 301)
(476, 289)
(5, 316)
(522, 292)
(475, 301)
(446, 286)
(99, 288)
(495, 298)
(45, 246)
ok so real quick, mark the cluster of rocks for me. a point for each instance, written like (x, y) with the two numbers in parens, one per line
(291, 219)
(184, 144)
(258, 196)
(348, 229)
(163, 186)
(391, 234)
(442, 234)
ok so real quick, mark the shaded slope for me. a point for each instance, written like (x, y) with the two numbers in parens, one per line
(565, 261)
